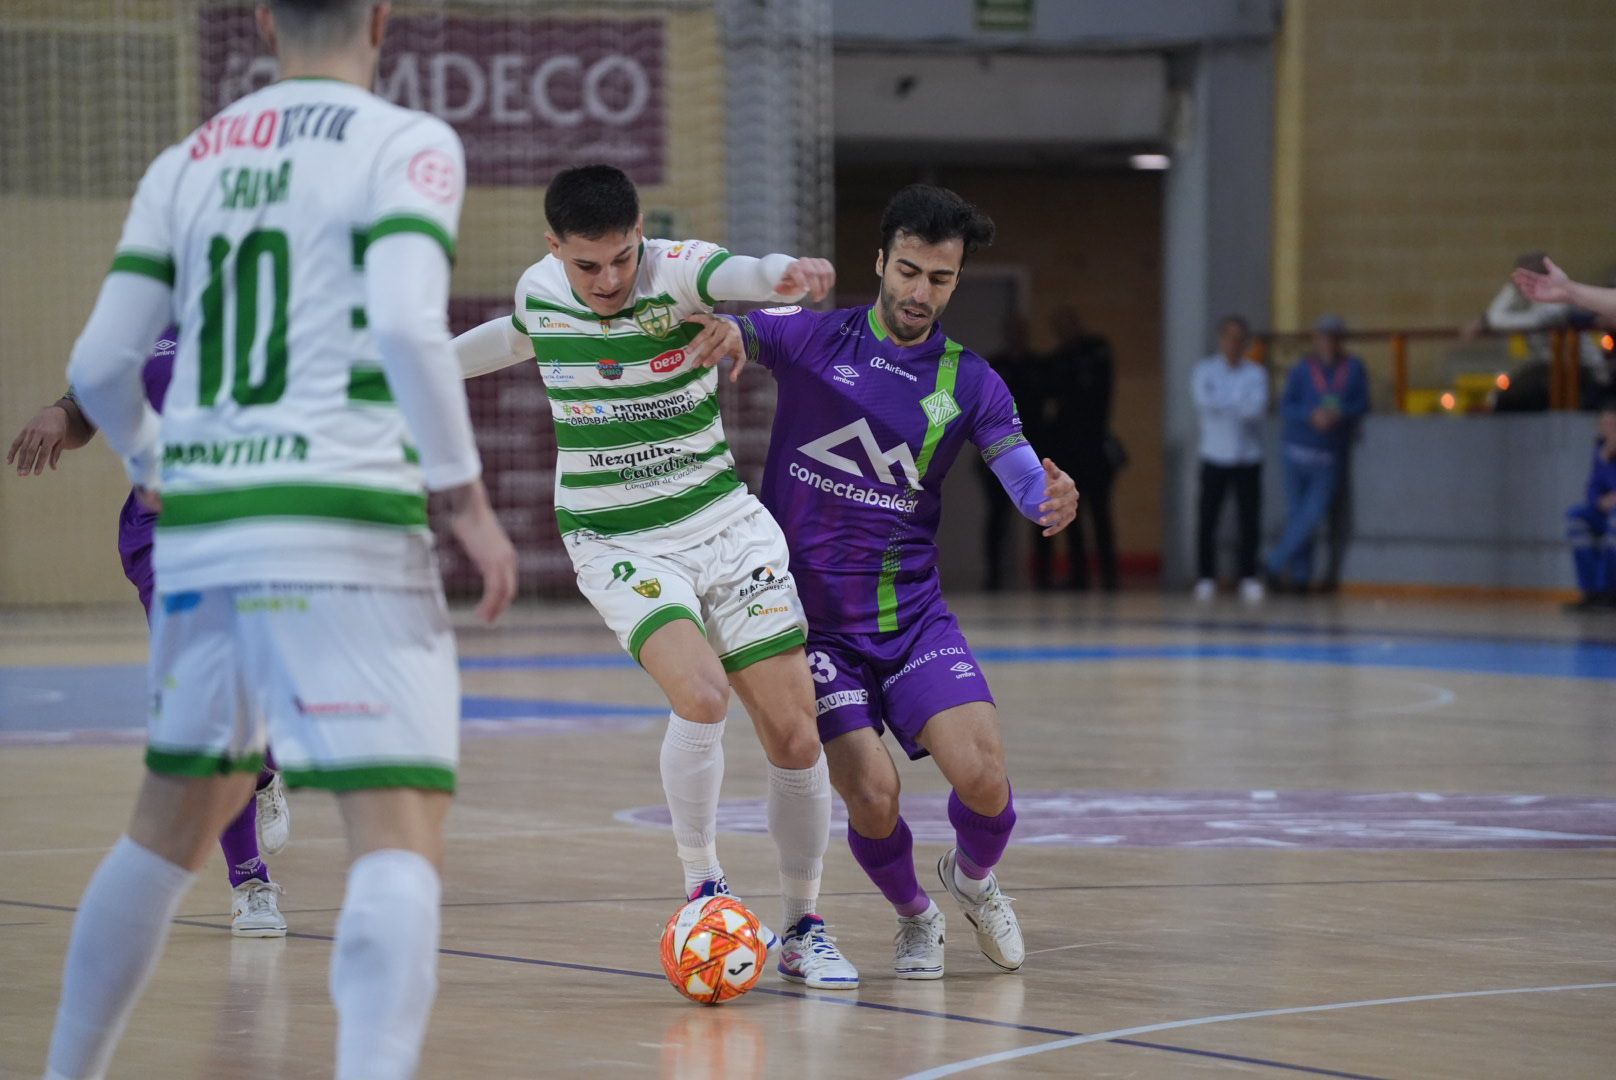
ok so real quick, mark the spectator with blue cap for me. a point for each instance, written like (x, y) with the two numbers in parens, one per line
(1326, 395)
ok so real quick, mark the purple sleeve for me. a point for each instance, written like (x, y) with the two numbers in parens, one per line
(1022, 474)
(775, 335)
(996, 428)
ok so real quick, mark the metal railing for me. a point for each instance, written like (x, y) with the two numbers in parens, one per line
(1446, 385)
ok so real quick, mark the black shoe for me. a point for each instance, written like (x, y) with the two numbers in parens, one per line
(1589, 602)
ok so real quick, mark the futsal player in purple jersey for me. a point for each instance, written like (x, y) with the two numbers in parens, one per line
(877, 403)
(255, 910)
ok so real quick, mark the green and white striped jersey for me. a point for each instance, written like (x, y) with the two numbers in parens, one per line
(284, 456)
(640, 445)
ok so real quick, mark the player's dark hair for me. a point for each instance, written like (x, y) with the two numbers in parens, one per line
(318, 24)
(935, 214)
(1235, 320)
(591, 201)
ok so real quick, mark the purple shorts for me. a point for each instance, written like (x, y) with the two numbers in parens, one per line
(135, 525)
(898, 680)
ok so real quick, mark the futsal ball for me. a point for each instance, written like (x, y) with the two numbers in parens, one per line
(712, 950)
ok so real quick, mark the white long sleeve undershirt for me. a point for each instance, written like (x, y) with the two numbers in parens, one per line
(129, 313)
(406, 296)
(741, 277)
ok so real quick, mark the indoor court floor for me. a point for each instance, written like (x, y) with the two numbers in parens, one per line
(1346, 838)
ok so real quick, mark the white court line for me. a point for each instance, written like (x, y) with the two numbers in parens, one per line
(1440, 698)
(1063, 948)
(1146, 1029)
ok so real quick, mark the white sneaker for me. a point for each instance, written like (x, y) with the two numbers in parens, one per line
(1206, 590)
(1252, 591)
(809, 956)
(274, 818)
(720, 887)
(917, 950)
(998, 934)
(255, 911)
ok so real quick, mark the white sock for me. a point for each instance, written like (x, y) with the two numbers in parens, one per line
(799, 821)
(692, 773)
(122, 925)
(975, 888)
(384, 965)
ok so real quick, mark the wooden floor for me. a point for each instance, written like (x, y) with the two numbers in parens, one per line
(1243, 851)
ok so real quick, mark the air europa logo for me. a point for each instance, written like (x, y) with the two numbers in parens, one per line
(668, 361)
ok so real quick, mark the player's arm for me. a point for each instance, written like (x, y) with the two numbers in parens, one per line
(1040, 490)
(1251, 399)
(135, 303)
(407, 298)
(496, 344)
(59, 426)
(1554, 287)
(778, 278)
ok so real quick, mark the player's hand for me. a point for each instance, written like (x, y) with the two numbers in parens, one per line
(490, 550)
(40, 441)
(1607, 502)
(1553, 287)
(810, 277)
(150, 498)
(1059, 508)
(720, 337)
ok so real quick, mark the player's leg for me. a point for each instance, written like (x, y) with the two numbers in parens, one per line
(938, 702)
(272, 816)
(678, 657)
(651, 604)
(202, 757)
(384, 964)
(254, 905)
(363, 694)
(1584, 529)
(757, 627)
(965, 743)
(865, 777)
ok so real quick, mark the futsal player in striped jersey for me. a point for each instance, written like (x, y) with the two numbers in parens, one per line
(266, 819)
(682, 562)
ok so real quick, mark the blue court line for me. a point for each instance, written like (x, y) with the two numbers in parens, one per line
(799, 995)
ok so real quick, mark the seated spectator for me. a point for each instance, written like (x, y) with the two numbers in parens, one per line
(1326, 395)
(1591, 524)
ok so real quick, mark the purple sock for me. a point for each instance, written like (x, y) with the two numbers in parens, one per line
(240, 844)
(981, 839)
(890, 863)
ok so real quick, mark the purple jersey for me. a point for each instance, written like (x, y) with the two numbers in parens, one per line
(135, 522)
(864, 433)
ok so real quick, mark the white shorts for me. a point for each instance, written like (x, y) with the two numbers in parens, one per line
(353, 686)
(736, 585)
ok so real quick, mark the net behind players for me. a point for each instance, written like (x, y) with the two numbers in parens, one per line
(297, 590)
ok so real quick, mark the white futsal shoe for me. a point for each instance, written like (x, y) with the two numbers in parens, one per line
(917, 950)
(720, 887)
(274, 817)
(998, 934)
(809, 956)
(256, 910)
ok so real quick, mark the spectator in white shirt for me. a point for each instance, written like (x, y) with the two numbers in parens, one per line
(1231, 397)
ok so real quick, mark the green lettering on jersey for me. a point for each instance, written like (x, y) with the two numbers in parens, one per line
(249, 189)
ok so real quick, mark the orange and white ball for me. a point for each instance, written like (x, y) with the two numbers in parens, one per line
(712, 950)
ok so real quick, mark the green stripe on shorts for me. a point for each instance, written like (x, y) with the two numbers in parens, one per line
(402, 774)
(655, 621)
(196, 763)
(773, 645)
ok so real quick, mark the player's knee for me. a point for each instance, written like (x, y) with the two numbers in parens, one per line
(702, 701)
(984, 787)
(798, 748)
(872, 808)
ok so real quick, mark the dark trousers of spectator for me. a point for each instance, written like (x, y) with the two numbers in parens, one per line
(995, 528)
(1216, 483)
(1338, 526)
(1094, 503)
